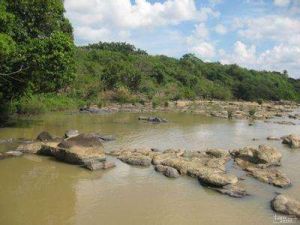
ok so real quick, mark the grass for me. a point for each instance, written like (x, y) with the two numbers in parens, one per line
(37, 104)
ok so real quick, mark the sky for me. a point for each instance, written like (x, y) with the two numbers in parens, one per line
(256, 34)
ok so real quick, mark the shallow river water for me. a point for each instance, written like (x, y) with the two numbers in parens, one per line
(41, 191)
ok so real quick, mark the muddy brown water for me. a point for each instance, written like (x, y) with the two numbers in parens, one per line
(41, 191)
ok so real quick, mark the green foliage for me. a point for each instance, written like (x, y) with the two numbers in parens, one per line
(113, 65)
(41, 103)
(36, 49)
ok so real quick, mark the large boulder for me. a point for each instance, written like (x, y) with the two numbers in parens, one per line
(292, 141)
(79, 155)
(79, 150)
(83, 140)
(44, 136)
(167, 171)
(286, 205)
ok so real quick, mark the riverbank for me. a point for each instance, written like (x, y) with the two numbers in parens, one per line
(213, 108)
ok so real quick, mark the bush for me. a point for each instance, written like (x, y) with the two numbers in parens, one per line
(123, 95)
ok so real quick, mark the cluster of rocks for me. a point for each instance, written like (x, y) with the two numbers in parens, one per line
(74, 148)
(210, 167)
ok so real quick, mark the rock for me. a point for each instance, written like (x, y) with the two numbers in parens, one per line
(48, 149)
(292, 141)
(153, 119)
(79, 150)
(272, 138)
(106, 137)
(263, 155)
(32, 148)
(270, 175)
(71, 133)
(155, 150)
(93, 109)
(286, 205)
(136, 159)
(44, 136)
(6, 141)
(284, 122)
(13, 153)
(96, 165)
(233, 190)
(84, 140)
(79, 155)
(10, 154)
(218, 153)
(167, 171)
(211, 177)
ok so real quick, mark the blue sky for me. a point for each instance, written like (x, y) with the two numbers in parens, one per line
(258, 34)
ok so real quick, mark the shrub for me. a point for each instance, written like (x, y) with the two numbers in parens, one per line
(252, 112)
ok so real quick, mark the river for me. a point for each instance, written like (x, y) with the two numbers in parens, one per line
(38, 190)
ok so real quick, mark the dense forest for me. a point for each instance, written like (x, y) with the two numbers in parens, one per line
(42, 70)
(131, 74)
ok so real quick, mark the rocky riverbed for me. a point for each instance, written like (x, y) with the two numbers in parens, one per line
(210, 166)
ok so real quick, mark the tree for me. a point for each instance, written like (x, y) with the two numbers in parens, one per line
(36, 48)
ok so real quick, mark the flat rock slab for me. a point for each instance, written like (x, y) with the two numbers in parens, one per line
(235, 190)
(286, 205)
(270, 175)
(79, 155)
(136, 159)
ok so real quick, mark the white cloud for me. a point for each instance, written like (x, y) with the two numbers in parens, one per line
(282, 3)
(273, 27)
(280, 57)
(99, 20)
(221, 29)
(204, 50)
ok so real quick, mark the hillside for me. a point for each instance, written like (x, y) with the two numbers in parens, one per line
(119, 71)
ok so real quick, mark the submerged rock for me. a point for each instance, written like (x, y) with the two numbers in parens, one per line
(291, 140)
(286, 205)
(233, 190)
(153, 119)
(167, 171)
